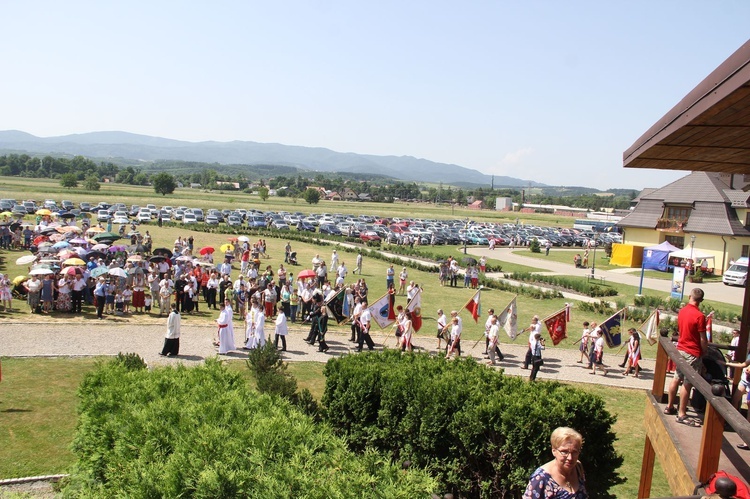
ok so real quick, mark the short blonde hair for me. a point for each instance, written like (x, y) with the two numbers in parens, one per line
(564, 434)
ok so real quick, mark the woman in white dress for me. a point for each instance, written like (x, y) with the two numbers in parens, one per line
(281, 329)
(260, 322)
(251, 340)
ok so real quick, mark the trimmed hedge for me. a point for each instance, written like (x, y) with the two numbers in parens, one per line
(481, 433)
(201, 432)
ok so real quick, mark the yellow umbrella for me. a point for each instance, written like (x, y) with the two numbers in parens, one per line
(226, 247)
(74, 261)
(6, 214)
(69, 228)
(94, 230)
(43, 211)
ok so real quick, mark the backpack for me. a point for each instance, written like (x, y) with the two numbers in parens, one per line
(743, 491)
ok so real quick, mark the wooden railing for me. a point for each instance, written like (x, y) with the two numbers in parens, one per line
(718, 411)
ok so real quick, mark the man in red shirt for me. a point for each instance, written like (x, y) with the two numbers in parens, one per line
(692, 345)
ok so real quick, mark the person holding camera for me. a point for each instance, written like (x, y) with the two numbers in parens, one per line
(537, 345)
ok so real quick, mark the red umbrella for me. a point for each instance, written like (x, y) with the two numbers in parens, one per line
(306, 273)
(40, 239)
(73, 271)
(206, 250)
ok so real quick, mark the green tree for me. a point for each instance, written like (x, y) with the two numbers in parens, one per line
(164, 183)
(69, 180)
(312, 196)
(263, 193)
(91, 183)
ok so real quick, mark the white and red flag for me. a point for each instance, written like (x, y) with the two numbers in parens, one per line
(474, 306)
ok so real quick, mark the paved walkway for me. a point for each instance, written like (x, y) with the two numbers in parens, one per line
(113, 335)
(715, 291)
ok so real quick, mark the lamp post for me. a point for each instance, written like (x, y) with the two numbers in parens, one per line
(593, 263)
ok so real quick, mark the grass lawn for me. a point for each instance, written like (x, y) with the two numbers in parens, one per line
(38, 416)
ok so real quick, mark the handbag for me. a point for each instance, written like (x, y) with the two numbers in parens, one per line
(538, 361)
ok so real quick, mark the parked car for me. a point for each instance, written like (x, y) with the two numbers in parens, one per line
(67, 205)
(188, 219)
(369, 235)
(256, 221)
(234, 220)
(143, 216)
(329, 229)
(212, 220)
(280, 225)
(304, 226)
(103, 216)
(85, 206)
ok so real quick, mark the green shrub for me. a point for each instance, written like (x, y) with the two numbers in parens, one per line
(534, 246)
(131, 361)
(201, 432)
(481, 432)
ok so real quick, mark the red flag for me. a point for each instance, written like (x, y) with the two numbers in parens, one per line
(415, 307)
(557, 325)
(709, 326)
(474, 306)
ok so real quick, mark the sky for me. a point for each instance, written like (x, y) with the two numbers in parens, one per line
(550, 91)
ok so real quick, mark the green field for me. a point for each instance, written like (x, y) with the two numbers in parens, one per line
(38, 416)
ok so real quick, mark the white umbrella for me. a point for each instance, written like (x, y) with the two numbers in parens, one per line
(100, 247)
(25, 260)
(41, 271)
(244, 238)
(118, 272)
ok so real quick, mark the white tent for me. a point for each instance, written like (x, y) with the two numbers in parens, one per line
(696, 255)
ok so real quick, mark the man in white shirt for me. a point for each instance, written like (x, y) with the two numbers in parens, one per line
(356, 312)
(334, 259)
(364, 323)
(225, 268)
(487, 325)
(492, 335)
(358, 268)
(411, 291)
(341, 273)
(442, 322)
(534, 328)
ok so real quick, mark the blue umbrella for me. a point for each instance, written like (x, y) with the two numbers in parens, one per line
(99, 271)
(60, 245)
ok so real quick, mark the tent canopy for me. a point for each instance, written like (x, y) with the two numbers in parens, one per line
(656, 257)
(695, 254)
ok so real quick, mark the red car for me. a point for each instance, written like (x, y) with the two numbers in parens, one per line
(369, 235)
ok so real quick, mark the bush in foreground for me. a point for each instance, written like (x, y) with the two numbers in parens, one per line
(483, 433)
(200, 432)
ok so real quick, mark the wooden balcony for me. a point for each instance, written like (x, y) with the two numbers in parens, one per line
(690, 455)
(670, 225)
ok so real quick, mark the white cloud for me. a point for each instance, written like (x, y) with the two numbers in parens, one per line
(515, 157)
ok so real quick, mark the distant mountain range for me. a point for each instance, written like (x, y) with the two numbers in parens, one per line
(143, 148)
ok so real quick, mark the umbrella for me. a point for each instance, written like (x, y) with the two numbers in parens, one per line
(95, 254)
(184, 258)
(133, 233)
(43, 211)
(139, 248)
(244, 239)
(60, 245)
(45, 246)
(41, 271)
(39, 240)
(65, 254)
(157, 258)
(469, 260)
(163, 251)
(56, 238)
(95, 230)
(73, 271)
(78, 240)
(306, 273)
(204, 264)
(135, 258)
(226, 247)
(74, 261)
(6, 214)
(106, 235)
(116, 248)
(25, 260)
(67, 215)
(100, 247)
(48, 230)
(118, 272)
(206, 250)
(99, 271)
(80, 251)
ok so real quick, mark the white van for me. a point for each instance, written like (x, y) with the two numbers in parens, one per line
(736, 274)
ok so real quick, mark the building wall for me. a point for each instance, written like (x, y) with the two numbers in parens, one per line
(704, 242)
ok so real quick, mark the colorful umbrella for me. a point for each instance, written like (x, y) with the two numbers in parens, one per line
(74, 261)
(306, 273)
(116, 248)
(73, 271)
(65, 254)
(39, 240)
(226, 247)
(25, 260)
(95, 230)
(206, 250)
(56, 238)
(60, 245)
(43, 212)
(99, 271)
(78, 240)
(67, 229)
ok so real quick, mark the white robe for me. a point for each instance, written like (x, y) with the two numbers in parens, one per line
(281, 325)
(226, 334)
(260, 321)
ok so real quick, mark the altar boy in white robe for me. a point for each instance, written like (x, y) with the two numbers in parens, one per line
(226, 329)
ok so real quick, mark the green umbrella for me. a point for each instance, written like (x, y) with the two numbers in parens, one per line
(106, 235)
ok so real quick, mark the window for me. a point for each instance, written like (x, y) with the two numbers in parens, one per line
(677, 212)
(678, 241)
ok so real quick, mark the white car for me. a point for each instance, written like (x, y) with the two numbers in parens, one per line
(189, 218)
(144, 216)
